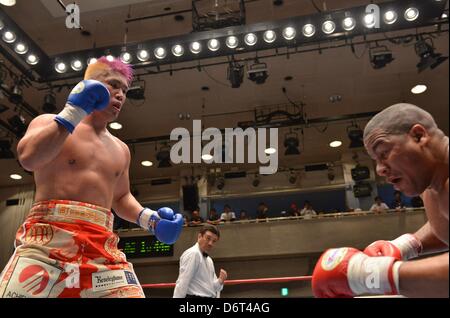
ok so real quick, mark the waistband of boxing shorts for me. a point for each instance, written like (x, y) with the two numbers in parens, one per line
(67, 210)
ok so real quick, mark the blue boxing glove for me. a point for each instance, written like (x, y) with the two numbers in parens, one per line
(164, 224)
(85, 97)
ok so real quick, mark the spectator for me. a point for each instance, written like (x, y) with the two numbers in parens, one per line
(213, 217)
(379, 206)
(227, 215)
(308, 211)
(294, 210)
(262, 211)
(185, 220)
(398, 203)
(196, 219)
(243, 215)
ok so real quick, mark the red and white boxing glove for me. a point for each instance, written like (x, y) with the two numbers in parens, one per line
(347, 272)
(404, 247)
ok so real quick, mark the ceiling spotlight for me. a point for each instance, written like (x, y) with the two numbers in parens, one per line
(411, 14)
(380, 56)
(177, 50)
(32, 59)
(147, 163)
(309, 30)
(232, 42)
(235, 74)
(76, 65)
(213, 45)
(370, 20)
(291, 143)
(91, 60)
(126, 57)
(110, 58)
(163, 157)
(207, 157)
(21, 48)
(160, 53)
(15, 176)
(289, 33)
(115, 125)
(427, 56)
(270, 151)
(49, 105)
(18, 124)
(258, 72)
(419, 89)
(220, 183)
(250, 39)
(2, 25)
(328, 27)
(269, 36)
(9, 37)
(390, 17)
(195, 47)
(8, 3)
(16, 95)
(143, 55)
(348, 24)
(355, 134)
(60, 67)
(335, 144)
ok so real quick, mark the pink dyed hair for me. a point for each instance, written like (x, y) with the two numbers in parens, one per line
(116, 65)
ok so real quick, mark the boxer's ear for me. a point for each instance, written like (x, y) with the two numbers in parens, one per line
(419, 133)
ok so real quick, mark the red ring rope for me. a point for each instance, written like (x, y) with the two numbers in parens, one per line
(241, 281)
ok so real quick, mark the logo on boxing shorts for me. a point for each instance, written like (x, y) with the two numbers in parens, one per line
(39, 234)
(31, 278)
(333, 258)
(112, 279)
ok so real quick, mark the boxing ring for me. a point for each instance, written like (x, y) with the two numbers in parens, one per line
(241, 281)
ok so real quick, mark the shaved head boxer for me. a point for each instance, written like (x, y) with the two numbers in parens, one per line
(411, 152)
(66, 247)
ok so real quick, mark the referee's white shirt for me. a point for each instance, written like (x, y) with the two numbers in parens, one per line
(197, 276)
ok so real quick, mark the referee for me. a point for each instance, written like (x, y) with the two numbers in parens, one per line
(197, 277)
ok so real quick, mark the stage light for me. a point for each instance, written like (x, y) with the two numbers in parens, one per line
(269, 36)
(177, 50)
(291, 143)
(250, 39)
(289, 33)
(390, 17)
(213, 45)
(411, 14)
(195, 47)
(235, 74)
(328, 27)
(348, 24)
(428, 58)
(309, 30)
(76, 65)
(380, 56)
(232, 42)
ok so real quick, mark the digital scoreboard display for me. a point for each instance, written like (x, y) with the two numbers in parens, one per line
(144, 246)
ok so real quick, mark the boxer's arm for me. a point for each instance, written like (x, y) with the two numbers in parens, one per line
(430, 243)
(41, 143)
(124, 203)
(426, 277)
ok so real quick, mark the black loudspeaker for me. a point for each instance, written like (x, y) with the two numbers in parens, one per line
(362, 189)
(190, 197)
(360, 173)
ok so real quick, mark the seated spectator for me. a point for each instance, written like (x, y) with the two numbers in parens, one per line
(227, 215)
(185, 220)
(262, 211)
(293, 210)
(398, 203)
(243, 215)
(213, 217)
(196, 219)
(308, 212)
(379, 206)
